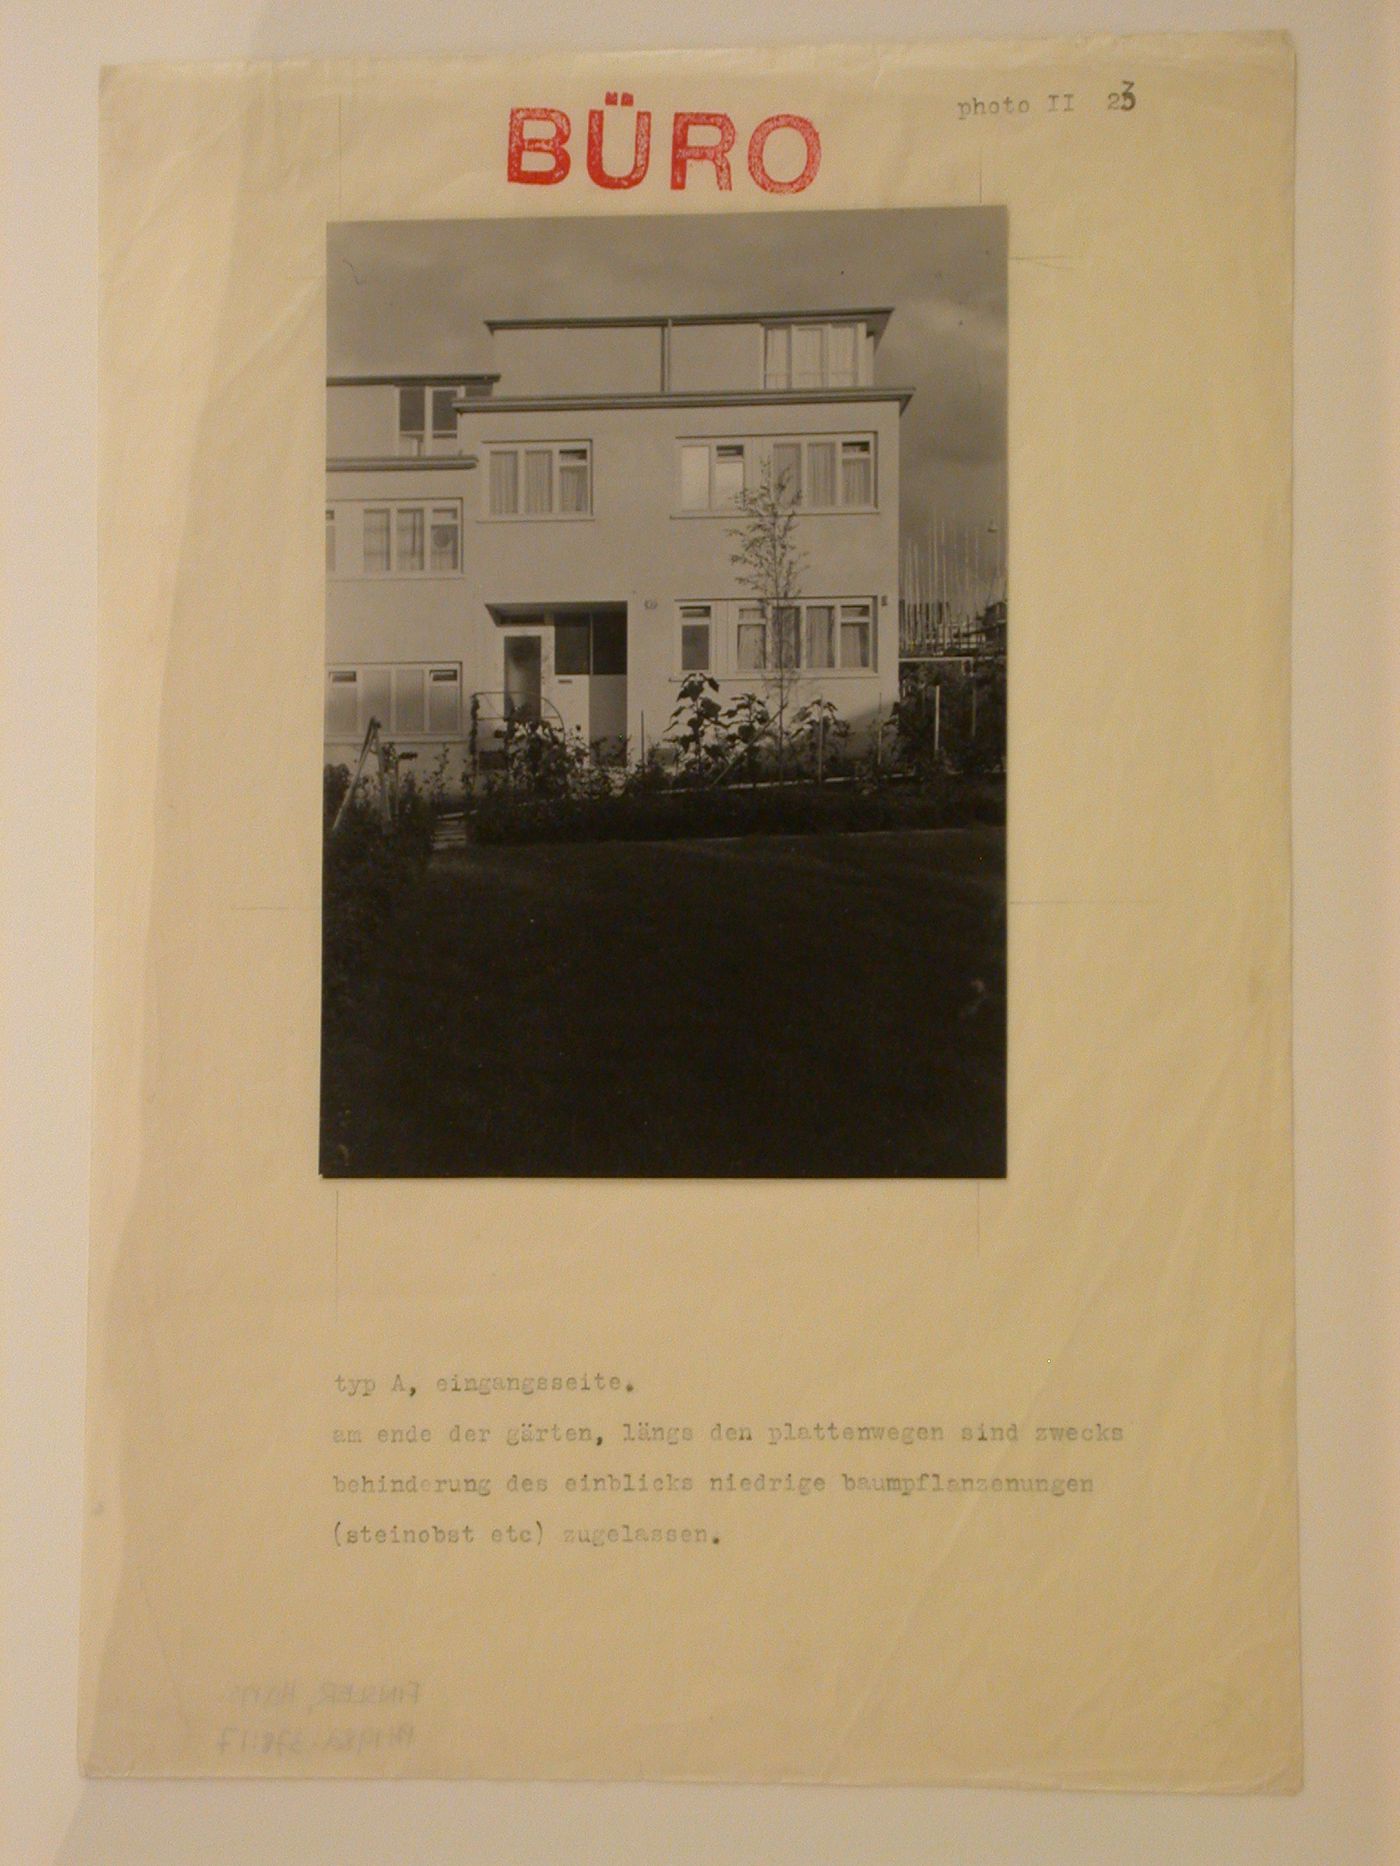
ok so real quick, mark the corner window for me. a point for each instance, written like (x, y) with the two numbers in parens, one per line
(330, 540)
(428, 417)
(550, 479)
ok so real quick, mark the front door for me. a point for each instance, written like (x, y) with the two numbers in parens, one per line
(522, 677)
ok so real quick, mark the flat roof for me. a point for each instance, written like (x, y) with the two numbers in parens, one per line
(681, 398)
(444, 378)
(878, 315)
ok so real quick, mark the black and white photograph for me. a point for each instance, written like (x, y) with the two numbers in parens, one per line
(665, 705)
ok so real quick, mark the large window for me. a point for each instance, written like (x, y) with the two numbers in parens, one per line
(546, 479)
(817, 635)
(428, 417)
(812, 356)
(827, 473)
(406, 540)
(821, 473)
(409, 699)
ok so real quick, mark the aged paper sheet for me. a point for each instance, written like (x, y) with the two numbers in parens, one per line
(1109, 1326)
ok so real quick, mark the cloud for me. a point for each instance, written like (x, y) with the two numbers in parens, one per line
(413, 296)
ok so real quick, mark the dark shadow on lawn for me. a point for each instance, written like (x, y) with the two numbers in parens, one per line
(824, 1006)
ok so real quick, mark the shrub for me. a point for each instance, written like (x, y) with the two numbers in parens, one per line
(368, 867)
(660, 815)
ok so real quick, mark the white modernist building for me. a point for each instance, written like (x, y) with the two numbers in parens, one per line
(556, 537)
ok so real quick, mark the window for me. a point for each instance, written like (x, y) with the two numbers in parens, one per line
(410, 540)
(412, 405)
(811, 356)
(696, 619)
(418, 404)
(444, 414)
(571, 645)
(855, 635)
(819, 636)
(827, 472)
(342, 704)
(376, 540)
(551, 480)
(445, 541)
(752, 638)
(591, 642)
(713, 475)
(330, 540)
(409, 699)
(857, 473)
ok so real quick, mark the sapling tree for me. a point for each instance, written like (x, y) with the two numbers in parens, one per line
(769, 566)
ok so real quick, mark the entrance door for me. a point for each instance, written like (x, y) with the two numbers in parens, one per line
(522, 677)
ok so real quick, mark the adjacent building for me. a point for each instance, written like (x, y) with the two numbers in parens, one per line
(555, 537)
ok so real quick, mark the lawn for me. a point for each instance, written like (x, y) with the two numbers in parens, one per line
(827, 1005)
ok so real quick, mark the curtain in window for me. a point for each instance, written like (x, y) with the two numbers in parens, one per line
(376, 699)
(342, 704)
(857, 475)
(408, 699)
(821, 473)
(775, 358)
(729, 475)
(752, 640)
(841, 356)
(445, 538)
(695, 478)
(330, 540)
(855, 635)
(409, 537)
(573, 479)
(505, 483)
(787, 469)
(787, 636)
(539, 480)
(807, 356)
(819, 642)
(444, 697)
(376, 538)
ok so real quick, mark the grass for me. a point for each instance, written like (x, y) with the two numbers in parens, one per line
(826, 1005)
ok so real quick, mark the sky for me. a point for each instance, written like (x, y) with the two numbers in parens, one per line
(412, 296)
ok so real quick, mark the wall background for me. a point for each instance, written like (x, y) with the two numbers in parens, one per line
(1345, 756)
